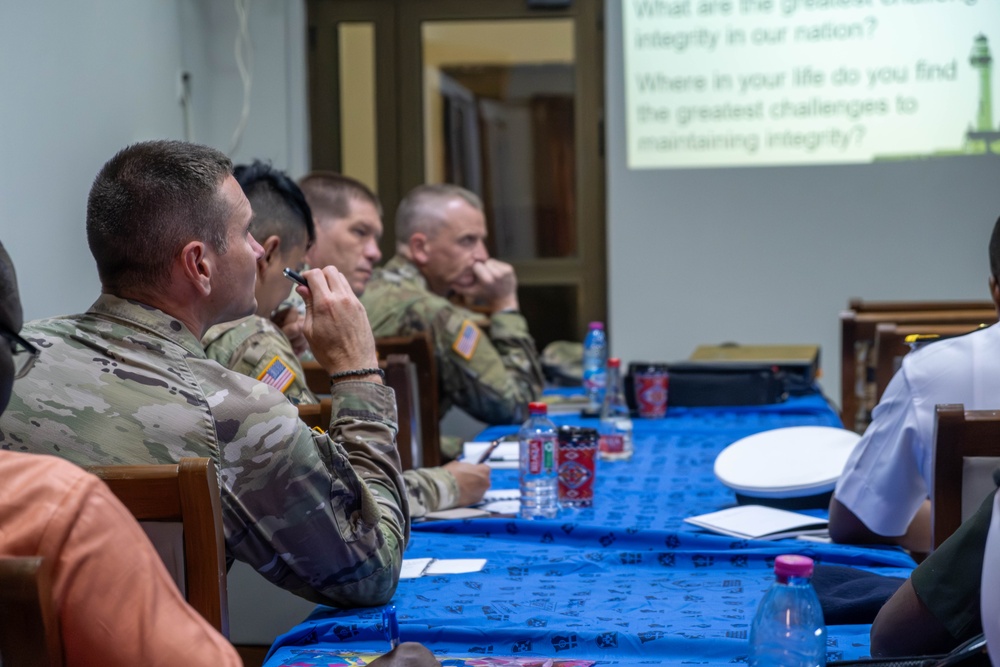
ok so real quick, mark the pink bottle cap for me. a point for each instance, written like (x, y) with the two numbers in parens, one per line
(790, 565)
(596, 325)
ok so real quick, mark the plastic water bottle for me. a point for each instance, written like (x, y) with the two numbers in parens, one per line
(539, 474)
(595, 356)
(788, 630)
(615, 442)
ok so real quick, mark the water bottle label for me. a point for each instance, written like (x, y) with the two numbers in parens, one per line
(612, 444)
(536, 453)
(594, 381)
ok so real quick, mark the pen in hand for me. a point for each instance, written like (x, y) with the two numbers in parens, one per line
(295, 276)
(489, 450)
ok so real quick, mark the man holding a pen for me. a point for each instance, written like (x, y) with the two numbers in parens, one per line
(283, 225)
(324, 515)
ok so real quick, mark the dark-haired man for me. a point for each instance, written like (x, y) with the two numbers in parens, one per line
(128, 382)
(883, 494)
(489, 367)
(283, 224)
(91, 546)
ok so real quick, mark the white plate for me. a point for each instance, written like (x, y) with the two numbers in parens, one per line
(786, 462)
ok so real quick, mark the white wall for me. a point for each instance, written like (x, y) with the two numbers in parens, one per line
(768, 255)
(771, 255)
(82, 80)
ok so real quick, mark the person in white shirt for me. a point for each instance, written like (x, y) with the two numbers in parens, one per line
(883, 494)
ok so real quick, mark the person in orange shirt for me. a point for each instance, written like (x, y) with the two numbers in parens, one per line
(116, 603)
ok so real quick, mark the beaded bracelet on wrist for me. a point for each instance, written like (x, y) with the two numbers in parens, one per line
(361, 372)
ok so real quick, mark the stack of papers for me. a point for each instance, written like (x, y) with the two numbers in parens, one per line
(502, 501)
(565, 405)
(757, 522)
(414, 568)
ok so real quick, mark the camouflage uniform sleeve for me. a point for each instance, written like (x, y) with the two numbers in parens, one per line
(260, 352)
(490, 373)
(430, 489)
(323, 515)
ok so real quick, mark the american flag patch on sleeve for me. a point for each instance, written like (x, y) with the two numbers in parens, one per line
(277, 374)
(467, 339)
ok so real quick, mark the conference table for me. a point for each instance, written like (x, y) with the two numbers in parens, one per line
(625, 582)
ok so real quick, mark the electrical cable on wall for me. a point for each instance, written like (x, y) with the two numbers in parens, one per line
(244, 63)
(185, 94)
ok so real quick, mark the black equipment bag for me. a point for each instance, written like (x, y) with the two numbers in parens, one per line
(699, 384)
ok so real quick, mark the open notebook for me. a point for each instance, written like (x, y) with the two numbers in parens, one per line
(757, 522)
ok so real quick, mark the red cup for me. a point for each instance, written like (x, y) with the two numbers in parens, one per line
(651, 386)
(577, 460)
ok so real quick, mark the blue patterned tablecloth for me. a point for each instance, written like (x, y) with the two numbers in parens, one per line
(626, 582)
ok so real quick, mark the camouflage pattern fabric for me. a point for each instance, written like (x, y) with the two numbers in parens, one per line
(251, 345)
(562, 362)
(295, 301)
(487, 366)
(322, 515)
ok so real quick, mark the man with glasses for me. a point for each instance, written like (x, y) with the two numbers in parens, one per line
(324, 515)
(92, 545)
(22, 353)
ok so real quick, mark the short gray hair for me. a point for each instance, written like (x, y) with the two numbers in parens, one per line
(420, 210)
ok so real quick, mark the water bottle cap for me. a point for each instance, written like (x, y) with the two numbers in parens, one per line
(538, 408)
(614, 362)
(790, 565)
(596, 325)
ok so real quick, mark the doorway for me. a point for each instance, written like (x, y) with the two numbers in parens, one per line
(494, 95)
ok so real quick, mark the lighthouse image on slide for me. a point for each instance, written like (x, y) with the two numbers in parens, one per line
(982, 136)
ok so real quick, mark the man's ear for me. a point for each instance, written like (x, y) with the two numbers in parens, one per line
(196, 266)
(995, 292)
(271, 254)
(419, 247)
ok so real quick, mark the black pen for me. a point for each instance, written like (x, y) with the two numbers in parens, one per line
(295, 276)
(489, 450)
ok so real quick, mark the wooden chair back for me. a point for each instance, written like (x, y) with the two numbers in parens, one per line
(317, 415)
(29, 621)
(857, 339)
(859, 305)
(420, 349)
(316, 377)
(187, 493)
(890, 346)
(960, 434)
(401, 375)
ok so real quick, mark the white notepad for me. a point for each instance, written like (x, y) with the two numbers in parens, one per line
(414, 568)
(757, 522)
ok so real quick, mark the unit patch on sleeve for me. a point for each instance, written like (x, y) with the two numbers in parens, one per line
(467, 339)
(277, 374)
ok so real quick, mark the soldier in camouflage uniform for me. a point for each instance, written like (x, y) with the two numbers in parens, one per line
(323, 515)
(255, 346)
(348, 228)
(488, 366)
